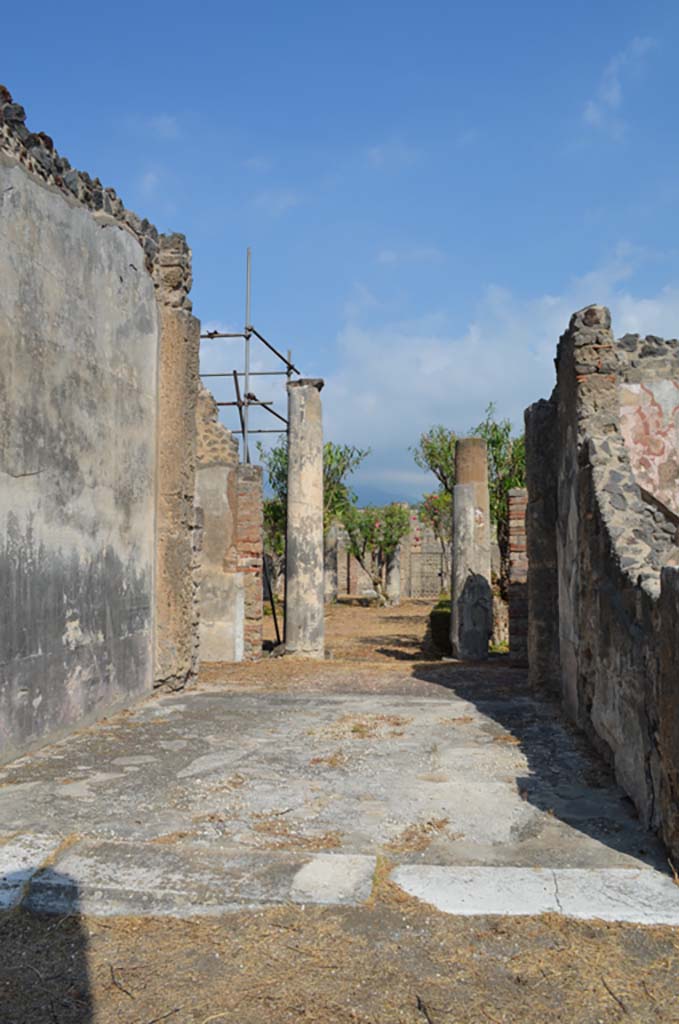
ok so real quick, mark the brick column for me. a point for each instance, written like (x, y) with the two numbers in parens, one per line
(249, 539)
(518, 576)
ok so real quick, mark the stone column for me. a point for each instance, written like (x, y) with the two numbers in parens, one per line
(304, 584)
(472, 600)
(393, 582)
(331, 555)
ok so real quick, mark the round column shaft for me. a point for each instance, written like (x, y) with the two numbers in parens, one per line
(472, 598)
(304, 569)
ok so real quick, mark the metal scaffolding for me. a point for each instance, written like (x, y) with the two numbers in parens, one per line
(246, 399)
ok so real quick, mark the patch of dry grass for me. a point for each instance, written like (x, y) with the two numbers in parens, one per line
(281, 834)
(377, 964)
(338, 759)
(365, 727)
(418, 836)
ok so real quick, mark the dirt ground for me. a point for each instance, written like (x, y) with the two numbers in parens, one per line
(392, 960)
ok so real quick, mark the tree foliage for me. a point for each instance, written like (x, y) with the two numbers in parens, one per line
(339, 461)
(436, 510)
(506, 469)
(435, 451)
(374, 536)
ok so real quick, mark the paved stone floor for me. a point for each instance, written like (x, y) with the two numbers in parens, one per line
(285, 783)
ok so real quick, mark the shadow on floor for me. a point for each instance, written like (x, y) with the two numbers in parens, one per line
(44, 976)
(566, 777)
(401, 648)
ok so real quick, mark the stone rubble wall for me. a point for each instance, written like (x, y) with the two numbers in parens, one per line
(178, 533)
(603, 582)
(98, 381)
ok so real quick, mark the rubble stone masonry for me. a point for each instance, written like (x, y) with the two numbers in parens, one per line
(603, 554)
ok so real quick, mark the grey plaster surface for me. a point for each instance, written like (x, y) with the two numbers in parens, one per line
(212, 800)
(78, 345)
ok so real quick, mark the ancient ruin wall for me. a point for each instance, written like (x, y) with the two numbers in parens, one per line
(178, 536)
(91, 300)
(221, 591)
(649, 414)
(518, 576)
(250, 541)
(613, 596)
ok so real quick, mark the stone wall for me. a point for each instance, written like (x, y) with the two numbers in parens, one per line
(229, 500)
(97, 377)
(518, 576)
(603, 587)
(177, 536)
(221, 591)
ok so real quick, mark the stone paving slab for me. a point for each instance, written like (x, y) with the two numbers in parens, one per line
(20, 858)
(222, 799)
(135, 879)
(640, 896)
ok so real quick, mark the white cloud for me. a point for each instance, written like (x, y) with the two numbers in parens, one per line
(397, 379)
(602, 111)
(410, 254)
(277, 201)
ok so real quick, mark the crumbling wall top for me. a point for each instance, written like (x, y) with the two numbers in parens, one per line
(642, 535)
(215, 444)
(167, 257)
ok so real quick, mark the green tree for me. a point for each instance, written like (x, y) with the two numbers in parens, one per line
(436, 510)
(339, 461)
(435, 451)
(274, 537)
(374, 536)
(506, 469)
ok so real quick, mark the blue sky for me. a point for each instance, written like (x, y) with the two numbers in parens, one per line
(429, 189)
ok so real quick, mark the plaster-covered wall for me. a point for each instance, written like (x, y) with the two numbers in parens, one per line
(78, 338)
(98, 382)
(221, 591)
(649, 420)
